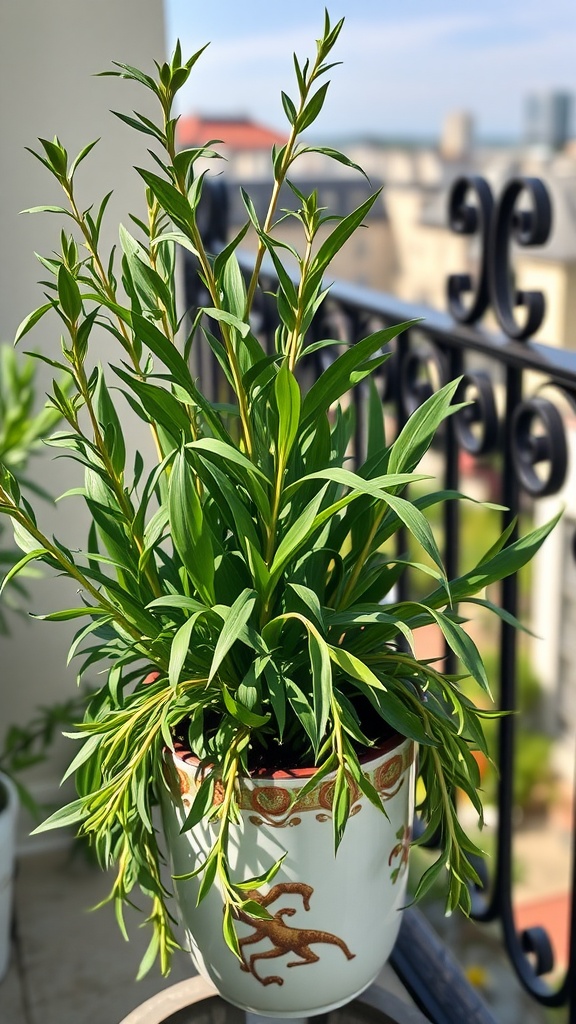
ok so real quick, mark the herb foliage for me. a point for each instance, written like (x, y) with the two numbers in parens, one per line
(244, 584)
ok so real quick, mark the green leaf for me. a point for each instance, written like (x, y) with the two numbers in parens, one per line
(159, 404)
(419, 527)
(242, 713)
(222, 316)
(229, 931)
(313, 108)
(108, 418)
(287, 394)
(341, 234)
(251, 477)
(310, 599)
(464, 648)
(297, 535)
(170, 199)
(158, 343)
(72, 814)
(87, 750)
(70, 613)
(150, 286)
(334, 154)
(429, 878)
(417, 434)
(256, 910)
(289, 108)
(29, 557)
(81, 156)
(302, 709)
(321, 679)
(363, 782)
(337, 378)
(179, 649)
(340, 807)
(376, 440)
(506, 562)
(201, 806)
(259, 880)
(189, 528)
(69, 294)
(31, 320)
(354, 668)
(208, 876)
(150, 955)
(236, 619)
(177, 601)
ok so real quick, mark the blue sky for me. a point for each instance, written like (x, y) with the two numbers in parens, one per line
(405, 64)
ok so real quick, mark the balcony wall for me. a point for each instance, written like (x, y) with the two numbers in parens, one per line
(49, 53)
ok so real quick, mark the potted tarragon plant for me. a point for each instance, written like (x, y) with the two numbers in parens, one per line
(238, 589)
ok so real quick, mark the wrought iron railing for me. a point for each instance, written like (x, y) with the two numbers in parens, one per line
(516, 389)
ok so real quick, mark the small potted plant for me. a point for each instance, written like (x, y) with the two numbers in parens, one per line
(239, 592)
(21, 429)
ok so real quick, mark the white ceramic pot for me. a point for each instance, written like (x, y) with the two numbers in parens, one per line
(8, 814)
(334, 918)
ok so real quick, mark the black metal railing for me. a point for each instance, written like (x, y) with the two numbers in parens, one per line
(520, 394)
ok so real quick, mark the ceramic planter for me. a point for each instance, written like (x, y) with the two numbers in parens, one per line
(335, 918)
(8, 812)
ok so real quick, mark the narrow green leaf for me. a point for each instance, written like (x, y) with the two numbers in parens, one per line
(108, 417)
(69, 294)
(242, 713)
(289, 108)
(179, 649)
(201, 806)
(236, 619)
(321, 679)
(72, 814)
(340, 807)
(287, 394)
(81, 156)
(337, 378)
(313, 108)
(29, 557)
(189, 529)
(342, 233)
(229, 932)
(354, 667)
(222, 316)
(170, 199)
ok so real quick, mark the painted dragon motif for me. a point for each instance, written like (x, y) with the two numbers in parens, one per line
(284, 938)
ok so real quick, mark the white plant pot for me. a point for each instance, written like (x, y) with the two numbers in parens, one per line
(8, 815)
(334, 918)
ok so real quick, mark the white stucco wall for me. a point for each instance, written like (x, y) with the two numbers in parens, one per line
(49, 53)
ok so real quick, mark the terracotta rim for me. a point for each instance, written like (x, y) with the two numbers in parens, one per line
(183, 753)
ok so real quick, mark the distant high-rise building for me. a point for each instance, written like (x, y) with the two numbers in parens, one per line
(547, 119)
(457, 139)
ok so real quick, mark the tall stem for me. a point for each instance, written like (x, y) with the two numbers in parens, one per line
(110, 293)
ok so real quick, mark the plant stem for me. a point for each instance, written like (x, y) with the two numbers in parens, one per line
(110, 294)
(70, 569)
(361, 560)
(293, 345)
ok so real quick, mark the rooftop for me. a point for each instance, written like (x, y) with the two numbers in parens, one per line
(235, 132)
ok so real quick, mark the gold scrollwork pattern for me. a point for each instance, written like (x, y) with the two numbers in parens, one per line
(274, 804)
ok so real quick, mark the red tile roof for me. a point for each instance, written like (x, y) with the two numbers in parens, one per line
(236, 133)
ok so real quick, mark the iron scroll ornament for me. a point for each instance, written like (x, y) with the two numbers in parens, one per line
(498, 224)
(468, 218)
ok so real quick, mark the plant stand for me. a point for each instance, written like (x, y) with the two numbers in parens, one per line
(196, 1002)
